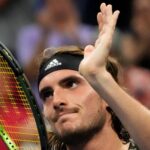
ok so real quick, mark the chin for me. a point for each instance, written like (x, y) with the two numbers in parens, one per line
(73, 135)
(67, 124)
(72, 130)
(66, 128)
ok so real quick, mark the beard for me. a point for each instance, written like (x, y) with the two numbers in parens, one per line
(83, 133)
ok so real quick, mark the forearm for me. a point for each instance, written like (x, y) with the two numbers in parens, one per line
(134, 116)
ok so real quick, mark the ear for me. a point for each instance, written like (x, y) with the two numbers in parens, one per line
(88, 50)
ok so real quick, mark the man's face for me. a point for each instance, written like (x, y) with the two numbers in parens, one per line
(70, 104)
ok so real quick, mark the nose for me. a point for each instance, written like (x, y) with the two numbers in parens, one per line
(59, 100)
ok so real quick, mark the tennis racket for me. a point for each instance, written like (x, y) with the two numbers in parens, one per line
(21, 123)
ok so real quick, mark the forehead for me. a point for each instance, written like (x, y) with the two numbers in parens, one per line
(54, 77)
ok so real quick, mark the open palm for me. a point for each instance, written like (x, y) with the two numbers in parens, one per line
(95, 56)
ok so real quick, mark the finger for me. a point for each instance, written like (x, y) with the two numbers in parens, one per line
(110, 18)
(105, 17)
(98, 40)
(107, 21)
(103, 8)
(115, 17)
(109, 10)
(108, 13)
(100, 20)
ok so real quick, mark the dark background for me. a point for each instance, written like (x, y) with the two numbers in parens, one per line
(89, 9)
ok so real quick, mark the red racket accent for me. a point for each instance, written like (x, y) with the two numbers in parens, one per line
(15, 112)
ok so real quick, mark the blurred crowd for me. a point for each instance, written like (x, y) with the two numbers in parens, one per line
(28, 27)
(133, 52)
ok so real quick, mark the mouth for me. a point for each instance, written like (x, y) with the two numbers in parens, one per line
(65, 114)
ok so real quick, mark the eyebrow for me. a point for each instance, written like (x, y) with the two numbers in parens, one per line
(62, 81)
(72, 77)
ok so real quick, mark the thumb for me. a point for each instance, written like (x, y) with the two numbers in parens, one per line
(88, 50)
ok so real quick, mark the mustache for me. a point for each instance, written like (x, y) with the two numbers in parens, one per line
(62, 111)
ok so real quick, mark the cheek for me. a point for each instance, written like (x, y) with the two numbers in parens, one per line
(93, 110)
(92, 102)
(47, 111)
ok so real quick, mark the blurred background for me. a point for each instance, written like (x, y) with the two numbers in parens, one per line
(27, 27)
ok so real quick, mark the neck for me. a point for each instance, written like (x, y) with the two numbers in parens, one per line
(105, 139)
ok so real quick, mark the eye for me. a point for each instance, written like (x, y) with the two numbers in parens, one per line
(70, 83)
(46, 93)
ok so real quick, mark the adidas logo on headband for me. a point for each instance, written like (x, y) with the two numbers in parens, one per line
(59, 62)
(53, 63)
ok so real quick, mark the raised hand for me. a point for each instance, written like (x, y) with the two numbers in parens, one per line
(95, 56)
(93, 68)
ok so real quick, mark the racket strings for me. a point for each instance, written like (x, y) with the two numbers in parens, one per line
(15, 112)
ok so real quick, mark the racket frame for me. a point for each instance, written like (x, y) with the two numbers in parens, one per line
(24, 83)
